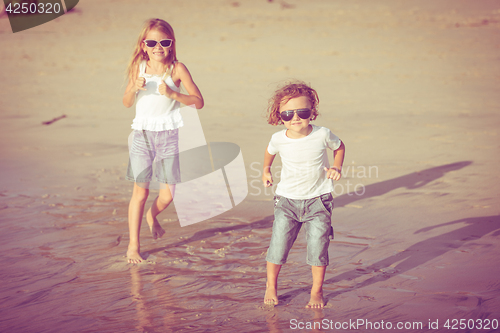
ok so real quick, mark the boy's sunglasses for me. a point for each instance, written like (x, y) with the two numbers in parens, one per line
(163, 42)
(302, 113)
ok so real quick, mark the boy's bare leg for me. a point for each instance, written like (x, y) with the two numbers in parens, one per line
(135, 213)
(318, 275)
(161, 202)
(271, 296)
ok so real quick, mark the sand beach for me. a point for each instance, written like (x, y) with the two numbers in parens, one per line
(411, 88)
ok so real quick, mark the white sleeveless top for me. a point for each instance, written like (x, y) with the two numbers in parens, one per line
(155, 112)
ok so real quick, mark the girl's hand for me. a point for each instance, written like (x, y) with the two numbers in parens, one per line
(267, 179)
(163, 89)
(333, 173)
(140, 82)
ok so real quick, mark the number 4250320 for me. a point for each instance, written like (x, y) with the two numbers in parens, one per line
(33, 8)
(479, 324)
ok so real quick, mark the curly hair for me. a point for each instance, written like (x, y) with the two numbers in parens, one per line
(291, 90)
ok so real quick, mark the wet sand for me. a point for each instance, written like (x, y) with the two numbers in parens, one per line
(412, 90)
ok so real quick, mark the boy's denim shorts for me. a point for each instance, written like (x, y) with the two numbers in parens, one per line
(158, 149)
(289, 215)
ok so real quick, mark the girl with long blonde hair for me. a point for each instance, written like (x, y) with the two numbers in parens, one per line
(154, 79)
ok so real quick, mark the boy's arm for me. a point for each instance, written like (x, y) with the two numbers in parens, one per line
(267, 177)
(335, 172)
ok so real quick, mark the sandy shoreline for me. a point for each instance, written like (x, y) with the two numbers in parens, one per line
(412, 90)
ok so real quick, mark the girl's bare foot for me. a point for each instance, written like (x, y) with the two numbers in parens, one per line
(271, 296)
(316, 301)
(155, 227)
(133, 255)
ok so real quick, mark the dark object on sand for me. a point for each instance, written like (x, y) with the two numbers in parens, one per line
(53, 120)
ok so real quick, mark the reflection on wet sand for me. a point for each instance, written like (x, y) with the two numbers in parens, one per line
(144, 319)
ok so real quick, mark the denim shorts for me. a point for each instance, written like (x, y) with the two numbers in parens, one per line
(289, 215)
(150, 150)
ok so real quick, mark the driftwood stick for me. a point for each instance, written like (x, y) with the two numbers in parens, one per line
(54, 120)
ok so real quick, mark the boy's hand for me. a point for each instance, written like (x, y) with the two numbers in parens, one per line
(333, 173)
(267, 179)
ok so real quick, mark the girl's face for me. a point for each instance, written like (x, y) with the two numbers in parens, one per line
(158, 52)
(297, 127)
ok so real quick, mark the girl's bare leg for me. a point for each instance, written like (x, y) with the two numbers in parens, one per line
(161, 202)
(271, 296)
(135, 213)
(318, 275)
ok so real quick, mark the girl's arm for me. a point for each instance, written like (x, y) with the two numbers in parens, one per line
(335, 172)
(194, 94)
(133, 86)
(267, 177)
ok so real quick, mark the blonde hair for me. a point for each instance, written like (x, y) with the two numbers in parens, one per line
(139, 55)
(282, 95)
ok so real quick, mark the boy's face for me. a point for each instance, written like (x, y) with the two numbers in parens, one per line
(297, 127)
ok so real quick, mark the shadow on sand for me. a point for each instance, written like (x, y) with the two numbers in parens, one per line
(410, 181)
(415, 255)
(410, 258)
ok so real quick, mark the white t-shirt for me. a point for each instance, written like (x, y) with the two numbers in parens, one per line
(303, 162)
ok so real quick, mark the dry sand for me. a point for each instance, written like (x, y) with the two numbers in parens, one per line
(412, 88)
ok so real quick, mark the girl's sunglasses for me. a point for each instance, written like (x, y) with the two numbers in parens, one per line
(302, 113)
(163, 42)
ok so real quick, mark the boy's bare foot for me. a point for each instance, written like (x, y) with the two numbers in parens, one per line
(155, 227)
(133, 255)
(316, 301)
(271, 296)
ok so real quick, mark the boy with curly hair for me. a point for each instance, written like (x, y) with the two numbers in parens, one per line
(303, 196)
